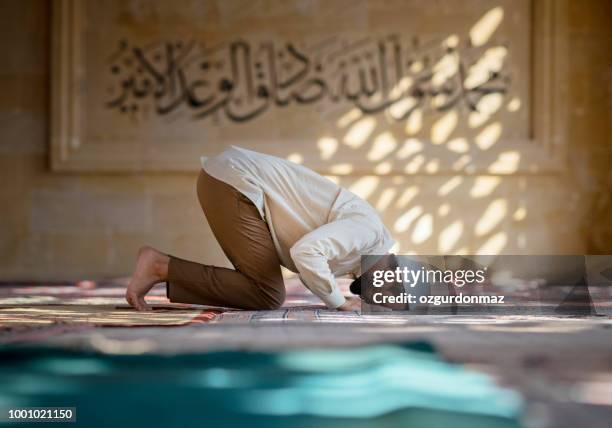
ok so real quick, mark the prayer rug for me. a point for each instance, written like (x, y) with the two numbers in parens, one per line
(34, 311)
(101, 315)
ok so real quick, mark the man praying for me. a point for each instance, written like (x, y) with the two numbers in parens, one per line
(267, 212)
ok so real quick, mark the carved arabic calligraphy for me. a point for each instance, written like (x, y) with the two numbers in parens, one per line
(240, 80)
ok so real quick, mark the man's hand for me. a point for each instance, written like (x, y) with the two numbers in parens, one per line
(351, 304)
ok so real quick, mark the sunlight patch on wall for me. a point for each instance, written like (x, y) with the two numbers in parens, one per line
(327, 147)
(494, 245)
(417, 66)
(359, 132)
(383, 145)
(439, 100)
(414, 165)
(449, 237)
(407, 196)
(443, 210)
(493, 215)
(441, 130)
(484, 186)
(461, 163)
(414, 122)
(402, 86)
(349, 117)
(506, 163)
(476, 119)
(445, 68)
(458, 145)
(401, 107)
(405, 220)
(489, 136)
(491, 61)
(482, 31)
(365, 186)
(450, 185)
(490, 103)
(432, 166)
(514, 104)
(296, 158)
(452, 41)
(383, 168)
(410, 147)
(423, 229)
(385, 199)
(341, 168)
(486, 107)
(520, 213)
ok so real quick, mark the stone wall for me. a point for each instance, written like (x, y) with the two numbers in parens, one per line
(67, 225)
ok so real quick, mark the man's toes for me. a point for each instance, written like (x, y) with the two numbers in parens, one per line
(137, 302)
(129, 297)
(142, 305)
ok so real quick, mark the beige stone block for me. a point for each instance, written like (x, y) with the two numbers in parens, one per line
(59, 256)
(82, 212)
(13, 229)
(105, 183)
(23, 92)
(172, 183)
(14, 175)
(590, 16)
(24, 32)
(122, 250)
(590, 131)
(23, 132)
(180, 211)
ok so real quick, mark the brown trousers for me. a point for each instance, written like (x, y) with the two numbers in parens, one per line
(244, 236)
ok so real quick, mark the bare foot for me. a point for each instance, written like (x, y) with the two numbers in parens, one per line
(151, 268)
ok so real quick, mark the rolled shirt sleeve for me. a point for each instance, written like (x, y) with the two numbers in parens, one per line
(314, 271)
(335, 240)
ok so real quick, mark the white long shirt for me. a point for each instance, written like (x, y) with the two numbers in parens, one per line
(319, 229)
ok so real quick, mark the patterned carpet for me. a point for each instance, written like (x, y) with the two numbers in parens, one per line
(36, 311)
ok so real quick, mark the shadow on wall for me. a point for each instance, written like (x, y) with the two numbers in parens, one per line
(442, 148)
(442, 208)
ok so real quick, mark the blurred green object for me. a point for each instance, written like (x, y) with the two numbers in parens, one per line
(373, 386)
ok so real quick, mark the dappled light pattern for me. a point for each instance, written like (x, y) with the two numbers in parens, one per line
(91, 313)
(23, 308)
(32, 313)
(443, 127)
(296, 158)
(360, 132)
(481, 31)
(444, 178)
